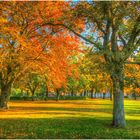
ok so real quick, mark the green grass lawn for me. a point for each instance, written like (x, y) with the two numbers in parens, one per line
(73, 119)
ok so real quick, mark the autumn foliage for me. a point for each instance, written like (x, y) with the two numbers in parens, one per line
(31, 41)
(73, 47)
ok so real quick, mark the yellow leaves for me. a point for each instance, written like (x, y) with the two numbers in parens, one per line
(3, 20)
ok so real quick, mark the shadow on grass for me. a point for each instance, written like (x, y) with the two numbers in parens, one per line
(129, 111)
(72, 102)
(58, 128)
(61, 109)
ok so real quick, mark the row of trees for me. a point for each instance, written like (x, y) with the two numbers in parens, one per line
(43, 38)
(29, 43)
(91, 77)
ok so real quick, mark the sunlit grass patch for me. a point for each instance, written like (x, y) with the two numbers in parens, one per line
(67, 119)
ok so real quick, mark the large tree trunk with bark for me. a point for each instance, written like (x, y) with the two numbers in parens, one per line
(118, 94)
(4, 97)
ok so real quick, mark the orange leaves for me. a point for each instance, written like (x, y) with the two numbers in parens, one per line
(34, 44)
(132, 74)
(48, 12)
(60, 48)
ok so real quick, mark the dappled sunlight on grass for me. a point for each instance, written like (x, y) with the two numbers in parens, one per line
(72, 119)
(79, 108)
(53, 109)
(132, 109)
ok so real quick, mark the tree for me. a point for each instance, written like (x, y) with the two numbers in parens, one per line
(28, 41)
(32, 82)
(93, 69)
(114, 30)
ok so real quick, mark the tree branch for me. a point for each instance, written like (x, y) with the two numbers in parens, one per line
(136, 62)
(123, 40)
(77, 34)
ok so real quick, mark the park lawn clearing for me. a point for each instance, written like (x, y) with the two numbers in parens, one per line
(73, 119)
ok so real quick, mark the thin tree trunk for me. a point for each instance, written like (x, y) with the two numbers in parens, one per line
(81, 94)
(95, 94)
(72, 93)
(33, 92)
(4, 97)
(104, 95)
(22, 94)
(85, 93)
(92, 93)
(111, 94)
(47, 93)
(57, 94)
(27, 91)
(118, 100)
(134, 95)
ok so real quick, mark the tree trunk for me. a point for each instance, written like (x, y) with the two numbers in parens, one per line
(47, 93)
(33, 92)
(104, 95)
(118, 94)
(111, 94)
(134, 95)
(27, 93)
(95, 95)
(91, 93)
(72, 93)
(57, 94)
(85, 93)
(22, 93)
(4, 97)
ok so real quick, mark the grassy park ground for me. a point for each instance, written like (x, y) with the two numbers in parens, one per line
(85, 119)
